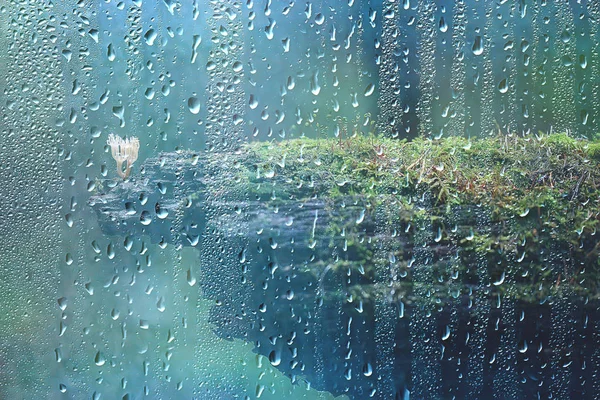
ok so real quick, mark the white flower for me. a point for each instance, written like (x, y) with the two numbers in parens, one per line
(123, 150)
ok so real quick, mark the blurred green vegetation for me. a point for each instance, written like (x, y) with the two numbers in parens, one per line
(539, 196)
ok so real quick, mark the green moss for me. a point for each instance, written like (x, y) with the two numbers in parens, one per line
(593, 151)
(510, 203)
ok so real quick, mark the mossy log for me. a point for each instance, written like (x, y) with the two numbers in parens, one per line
(299, 239)
(529, 207)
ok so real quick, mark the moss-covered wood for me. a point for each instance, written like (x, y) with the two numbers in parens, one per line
(524, 209)
(512, 215)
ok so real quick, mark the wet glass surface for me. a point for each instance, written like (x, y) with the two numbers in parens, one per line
(306, 200)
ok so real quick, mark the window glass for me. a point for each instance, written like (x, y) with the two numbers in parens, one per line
(269, 199)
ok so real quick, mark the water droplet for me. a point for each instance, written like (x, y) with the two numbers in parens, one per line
(160, 304)
(361, 217)
(195, 43)
(111, 53)
(67, 54)
(110, 251)
(237, 67)
(523, 346)
(269, 29)
(194, 105)
(446, 334)
(443, 25)
(94, 33)
(145, 218)
(291, 83)
(242, 256)
(471, 235)
(62, 303)
(348, 374)
(211, 65)
(438, 237)
(150, 37)
(315, 88)
(286, 45)
(584, 117)
(253, 102)
(567, 61)
(478, 46)
(99, 360)
(275, 357)
(161, 212)
(191, 279)
(149, 93)
(501, 279)
(503, 86)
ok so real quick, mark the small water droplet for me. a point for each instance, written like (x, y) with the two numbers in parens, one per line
(111, 53)
(160, 304)
(194, 105)
(150, 37)
(315, 88)
(443, 25)
(367, 369)
(149, 93)
(191, 279)
(99, 360)
(145, 218)
(361, 217)
(477, 46)
(253, 102)
(211, 65)
(503, 86)
(69, 219)
(269, 29)
(237, 67)
(501, 279)
(161, 212)
(275, 358)
(446, 334)
(62, 303)
(523, 347)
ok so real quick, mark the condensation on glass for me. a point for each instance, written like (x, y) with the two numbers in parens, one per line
(206, 199)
